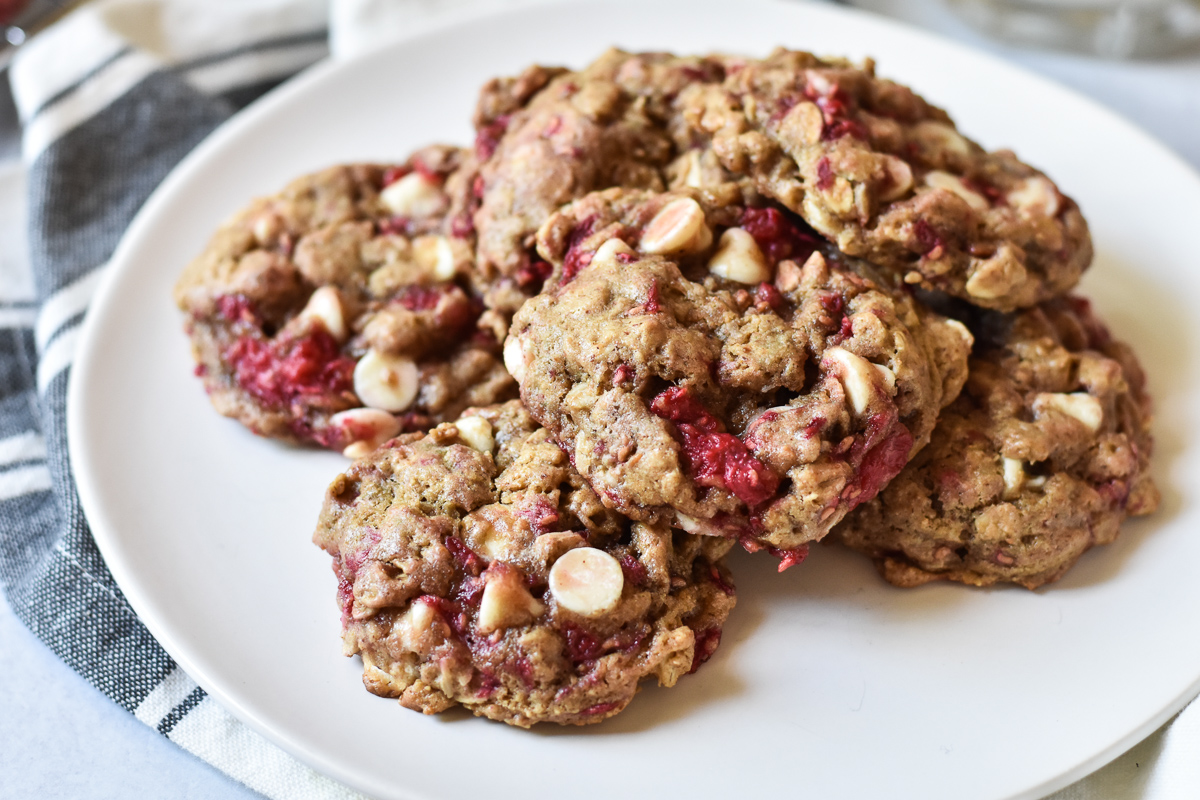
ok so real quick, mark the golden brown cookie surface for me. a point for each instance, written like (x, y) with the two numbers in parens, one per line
(477, 568)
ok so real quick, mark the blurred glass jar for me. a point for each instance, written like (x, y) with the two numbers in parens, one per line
(1113, 28)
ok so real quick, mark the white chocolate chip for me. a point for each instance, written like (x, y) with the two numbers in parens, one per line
(692, 171)
(859, 376)
(421, 628)
(686, 522)
(1014, 477)
(325, 306)
(738, 258)
(889, 378)
(678, 228)
(385, 381)
(1036, 196)
(953, 184)
(607, 252)
(477, 433)
(267, 228)
(365, 429)
(587, 581)
(493, 545)
(506, 602)
(414, 195)
(996, 276)
(750, 107)
(703, 527)
(435, 255)
(1079, 405)
(961, 330)
(549, 547)
(789, 275)
(900, 179)
(357, 450)
(819, 82)
(803, 125)
(515, 359)
(942, 136)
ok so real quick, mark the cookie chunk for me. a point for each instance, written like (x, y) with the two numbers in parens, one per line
(887, 177)
(475, 567)
(706, 365)
(550, 136)
(1041, 457)
(344, 309)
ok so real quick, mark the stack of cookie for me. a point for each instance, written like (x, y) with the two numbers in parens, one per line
(666, 305)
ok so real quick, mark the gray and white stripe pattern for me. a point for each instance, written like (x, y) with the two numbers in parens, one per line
(104, 119)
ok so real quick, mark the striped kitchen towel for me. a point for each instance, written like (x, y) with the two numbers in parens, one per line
(109, 99)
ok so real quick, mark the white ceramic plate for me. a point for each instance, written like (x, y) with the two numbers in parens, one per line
(829, 683)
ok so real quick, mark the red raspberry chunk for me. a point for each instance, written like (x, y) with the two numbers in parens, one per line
(778, 235)
(237, 308)
(581, 645)
(715, 458)
(577, 258)
(878, 456)
(489, 137)
(278, 372)
(707, 642)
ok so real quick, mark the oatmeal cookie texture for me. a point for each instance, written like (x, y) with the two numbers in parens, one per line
(1042, 456)
(549, 136)
(887, 176)
(707, 366)
(346, 308)
(477, 568)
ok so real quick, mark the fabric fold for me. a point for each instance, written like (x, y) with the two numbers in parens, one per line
(110, 99)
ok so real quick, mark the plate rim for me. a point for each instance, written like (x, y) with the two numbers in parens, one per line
(122, 260)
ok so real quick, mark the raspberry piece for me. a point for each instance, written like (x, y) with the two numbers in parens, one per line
(653, 302)
(453, 310)
(576, 259)
(844, 127)
(767, 296)
(635, 571)
(346, 568)
(281, 371)
(878, 456)
(789, 558)
(715, 458)
(540, 513)
(825, 175)
(237, 308)
(394, 226)
(488, 138)
(778, 235)
(707, 642)
(393, 174)
(677, 405)
(581, 645)
(465, 557)
(421, 298)
(725, 586)
(533, 274)
(930, 241)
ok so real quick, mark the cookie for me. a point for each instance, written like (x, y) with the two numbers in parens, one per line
(1042, 456)
(345, 308)
(476, 568)
(708, 365)
(887, 177)
(550, 136)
